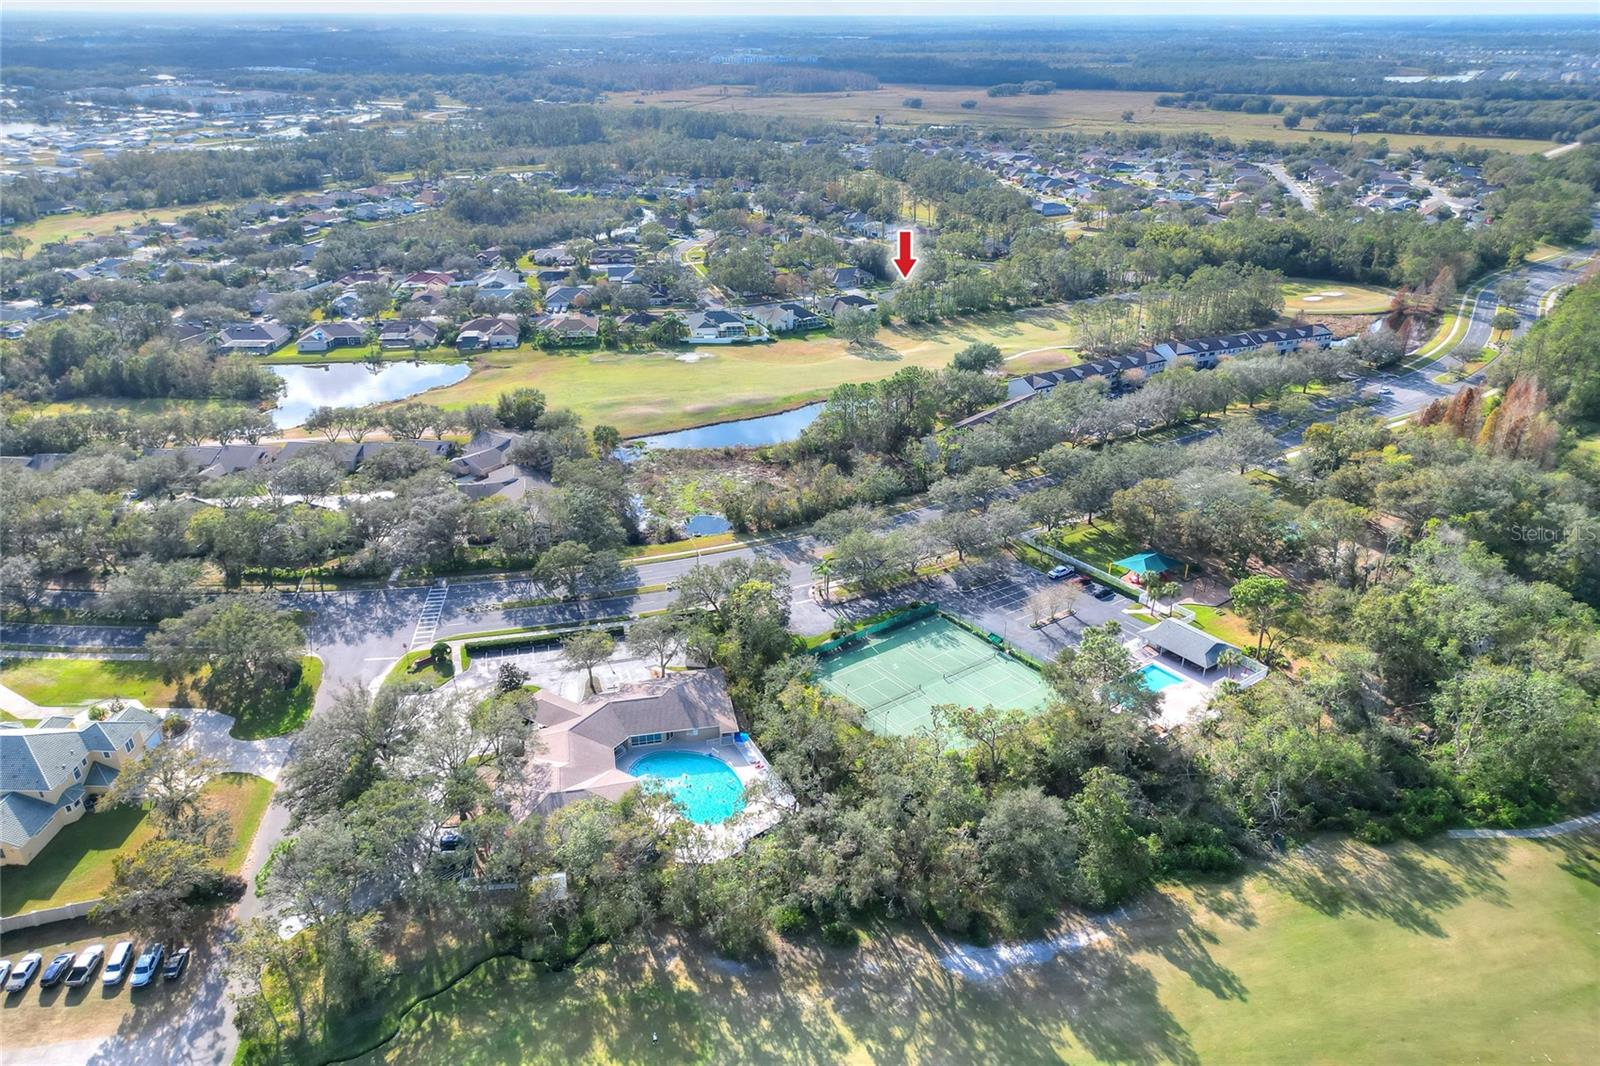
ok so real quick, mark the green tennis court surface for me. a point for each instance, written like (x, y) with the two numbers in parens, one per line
(899, 676)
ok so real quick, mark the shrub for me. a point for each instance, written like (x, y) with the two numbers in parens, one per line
(786, 919)
(840, 934)
(174, 725)
(913, 102)
(969, 105)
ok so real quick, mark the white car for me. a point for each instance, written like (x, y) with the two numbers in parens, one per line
(84, 966)
(5, 971)
(27, 967)
(117, 965)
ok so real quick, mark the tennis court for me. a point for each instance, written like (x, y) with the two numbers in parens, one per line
(897, 677)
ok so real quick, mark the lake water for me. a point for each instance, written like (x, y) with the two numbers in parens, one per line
(748, 432)
(354, 384)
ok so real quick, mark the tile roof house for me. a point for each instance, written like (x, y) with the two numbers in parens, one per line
(253, 338)
(47, 770)
(580, 744)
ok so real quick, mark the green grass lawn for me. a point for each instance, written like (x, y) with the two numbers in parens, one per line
(1312, 297)
(76, 865)
(1459, 951)
(1099, 545)
(280, 712)
(67, 682)
(1221, 622)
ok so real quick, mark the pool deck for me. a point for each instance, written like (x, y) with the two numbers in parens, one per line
(1189, 700)
(767, 800)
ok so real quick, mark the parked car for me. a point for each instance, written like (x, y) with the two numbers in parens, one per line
(1058, 572)
(1384, 390)
(5, 971)
(148, 965)
(176, 963)
(116, 970)
(1100, 592)
(27, 966)
(84, 966)
(57, 970)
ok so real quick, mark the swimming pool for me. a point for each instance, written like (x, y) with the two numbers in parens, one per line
(707, 788)
(1157, 677)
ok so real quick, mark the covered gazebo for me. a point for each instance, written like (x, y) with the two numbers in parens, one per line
(1183, 641)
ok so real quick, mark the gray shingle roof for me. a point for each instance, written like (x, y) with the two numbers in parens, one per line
(39, 760)
(1186, 642)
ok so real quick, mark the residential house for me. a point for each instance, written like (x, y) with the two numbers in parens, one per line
(47, 771)
(786, 317)
(394, 333)
(572, 326)
(326, 336)
(716, 324)
(564, 297)
(852, 278)
(852, 301)
(253, 338)
(487, 332)
(426, 279)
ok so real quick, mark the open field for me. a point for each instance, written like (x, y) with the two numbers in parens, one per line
(649, 393)
(1312, 298)
(66, 227)
(76, 865)
(67, 682)
(1460, 951)
(1078, 110)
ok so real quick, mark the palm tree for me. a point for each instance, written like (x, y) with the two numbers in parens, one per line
(1231, 658)
(1160, 589)
(824, 570)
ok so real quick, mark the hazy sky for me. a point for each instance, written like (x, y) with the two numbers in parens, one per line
(766, 8)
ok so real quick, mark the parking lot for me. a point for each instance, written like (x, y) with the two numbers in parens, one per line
(994, 595)
(82, 1024)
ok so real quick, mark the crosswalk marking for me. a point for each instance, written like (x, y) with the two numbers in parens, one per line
(428, 619)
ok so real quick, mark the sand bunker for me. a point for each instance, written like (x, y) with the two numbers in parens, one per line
(1333, 293)
(1310, 299)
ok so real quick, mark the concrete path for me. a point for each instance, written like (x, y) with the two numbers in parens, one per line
(1543, 832)
(208, 734)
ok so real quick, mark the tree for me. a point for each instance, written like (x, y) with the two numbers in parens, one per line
(1159, 589)
(1263, 602)
(158, 889)
(152, 589)
(977, 356)
(586, 650)
(857, 325)
(660, 636)
(170, 779)
(986, 729)
(520, 409)
(247, 646)
(1113, 861)
(563, 567)
(1027, 846)
(22, 583)
(510, 678)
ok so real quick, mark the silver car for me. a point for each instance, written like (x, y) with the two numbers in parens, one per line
(84, 966)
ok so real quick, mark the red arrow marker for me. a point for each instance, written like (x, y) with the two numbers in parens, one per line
(905, 260)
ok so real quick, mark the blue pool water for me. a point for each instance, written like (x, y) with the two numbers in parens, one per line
(1157, 678)
(707, 788)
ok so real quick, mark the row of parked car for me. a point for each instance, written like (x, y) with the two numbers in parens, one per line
(1094, 588)
(76, 971)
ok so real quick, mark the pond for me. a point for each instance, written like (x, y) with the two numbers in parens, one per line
(747, 432)
(706, 525)
(354, 384)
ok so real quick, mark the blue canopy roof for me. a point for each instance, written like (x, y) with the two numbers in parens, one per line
(1149, 563)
